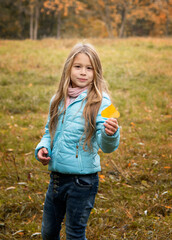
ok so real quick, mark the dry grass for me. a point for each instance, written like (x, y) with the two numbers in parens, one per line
(135, 196)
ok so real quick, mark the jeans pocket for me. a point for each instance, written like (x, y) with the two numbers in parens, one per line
(83, 181)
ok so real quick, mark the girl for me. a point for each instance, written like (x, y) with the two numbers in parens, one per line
(73, 134)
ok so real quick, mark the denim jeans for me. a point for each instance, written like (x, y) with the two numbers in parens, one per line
(70, 195)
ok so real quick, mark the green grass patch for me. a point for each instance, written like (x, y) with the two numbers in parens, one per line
(135, 197)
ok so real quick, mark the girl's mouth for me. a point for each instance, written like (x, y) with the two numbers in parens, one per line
(82, 79)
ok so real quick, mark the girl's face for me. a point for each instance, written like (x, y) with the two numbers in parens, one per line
(82, 73)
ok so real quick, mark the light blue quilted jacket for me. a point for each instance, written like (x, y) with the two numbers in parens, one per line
(67, 154)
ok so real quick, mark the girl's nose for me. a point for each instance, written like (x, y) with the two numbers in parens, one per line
(83, 71)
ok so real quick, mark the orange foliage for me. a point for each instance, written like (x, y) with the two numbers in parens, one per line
(63, 6)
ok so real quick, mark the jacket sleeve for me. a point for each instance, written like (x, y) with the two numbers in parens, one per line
(46, 139)
(107, 143)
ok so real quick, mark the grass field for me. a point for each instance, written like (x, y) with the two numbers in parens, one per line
(135, 194)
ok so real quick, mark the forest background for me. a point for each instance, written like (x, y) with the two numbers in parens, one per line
(37, 19)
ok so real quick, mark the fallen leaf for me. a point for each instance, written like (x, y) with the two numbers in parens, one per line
(10, 150)
(146, 212)
(107, 210)
(20, 232)
(31, 219)
(164, 193)
(155, 162)
(29, 153)
(35, 234)
(132, 124)
(142, 196)
(9, 188)
(129, 214)
(30, 198)
(101, 196)
(129, 164)
(22, 183)
(169, 207)
(110, 112)
(168, 116)
(24, 129)
(102, 176)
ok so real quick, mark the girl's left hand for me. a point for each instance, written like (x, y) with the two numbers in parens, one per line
(111, 126)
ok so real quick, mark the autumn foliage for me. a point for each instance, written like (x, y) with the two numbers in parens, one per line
(80, 18)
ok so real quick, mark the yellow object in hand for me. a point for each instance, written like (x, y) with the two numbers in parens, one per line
(110, 112)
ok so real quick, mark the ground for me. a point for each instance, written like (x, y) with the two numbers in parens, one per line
(135, 193)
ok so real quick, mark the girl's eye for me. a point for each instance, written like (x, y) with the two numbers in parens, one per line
(77, 66)
(89, 68)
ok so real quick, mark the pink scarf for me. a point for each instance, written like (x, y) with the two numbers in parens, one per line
(74, 93)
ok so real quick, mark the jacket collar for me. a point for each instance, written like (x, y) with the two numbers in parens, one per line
(81, 96)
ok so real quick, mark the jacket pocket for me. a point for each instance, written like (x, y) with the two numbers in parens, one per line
(78, 157)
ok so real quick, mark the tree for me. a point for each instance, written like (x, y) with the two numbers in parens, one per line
(34, 7)
(62, 7)
(114, 14)
(150, 17)
(11, 21)
(105, 11)
(100, 18)
(124, 8)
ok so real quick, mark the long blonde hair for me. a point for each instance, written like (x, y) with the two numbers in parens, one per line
(94, 93)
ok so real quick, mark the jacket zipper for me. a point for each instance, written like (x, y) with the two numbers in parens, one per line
(76, 151)
(69, 106)
(63, 116)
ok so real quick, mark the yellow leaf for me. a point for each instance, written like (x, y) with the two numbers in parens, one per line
(168, 207)
(101, 176)
(132, 124)
(167, 167)
(30, 198)
(24, 129)
(129, 164)
(107, 210)
(21, 233)
(110, 112)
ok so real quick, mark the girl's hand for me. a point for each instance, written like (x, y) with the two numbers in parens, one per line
(111, 126)
(42, 156)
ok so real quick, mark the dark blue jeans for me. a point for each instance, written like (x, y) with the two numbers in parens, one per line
(70, 195)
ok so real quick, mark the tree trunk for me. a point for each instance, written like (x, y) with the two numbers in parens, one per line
(59, 24)
(108, 22)
(167, 20)
(31, 23)
(166, 27)
(121, 31)
(36, 21)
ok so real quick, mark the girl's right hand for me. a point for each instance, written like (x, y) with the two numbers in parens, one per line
(42, 156)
